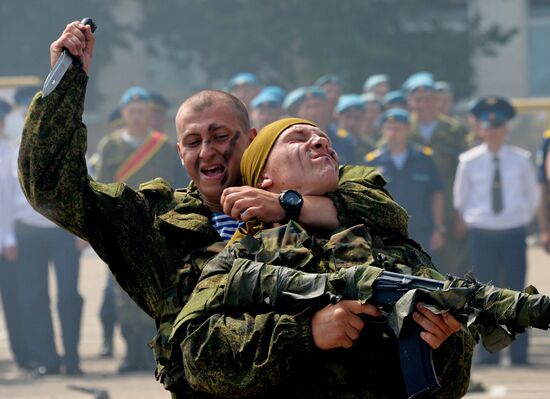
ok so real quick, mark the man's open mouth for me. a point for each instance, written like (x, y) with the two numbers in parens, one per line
(213, 172)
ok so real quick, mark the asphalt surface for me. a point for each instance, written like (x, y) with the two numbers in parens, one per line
(531, 382)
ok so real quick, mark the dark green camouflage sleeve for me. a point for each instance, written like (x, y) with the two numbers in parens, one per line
(361, 198)
(119, 223)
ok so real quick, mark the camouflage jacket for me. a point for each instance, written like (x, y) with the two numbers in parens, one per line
(262, 354)
(155, 240)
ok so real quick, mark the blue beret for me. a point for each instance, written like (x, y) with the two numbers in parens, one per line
(395, 97)
(243, 78)
(275, 90)
(419, 80)
(349, 101)
(375, 80)
(371, 98)
(493, 111)
(23, 95)
(266, 98)
(135, 94)
(395, 114)
(328, 78)
(5, 108)
(443, 86)
(297, 96)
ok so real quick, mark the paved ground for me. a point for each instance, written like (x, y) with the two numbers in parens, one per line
(531, 382)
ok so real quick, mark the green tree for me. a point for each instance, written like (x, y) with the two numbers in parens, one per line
(291, 42)
(28, 27)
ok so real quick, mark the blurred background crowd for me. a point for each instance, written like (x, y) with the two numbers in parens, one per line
(418, 89)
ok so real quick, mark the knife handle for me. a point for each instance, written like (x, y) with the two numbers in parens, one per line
(89, 21)
(85, 21)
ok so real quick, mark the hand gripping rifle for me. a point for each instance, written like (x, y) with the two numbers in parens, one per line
(498, 313)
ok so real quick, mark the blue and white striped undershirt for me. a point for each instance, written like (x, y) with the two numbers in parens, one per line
(224, 225)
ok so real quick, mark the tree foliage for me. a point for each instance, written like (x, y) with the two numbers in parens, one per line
(28, 27)
(291, 42)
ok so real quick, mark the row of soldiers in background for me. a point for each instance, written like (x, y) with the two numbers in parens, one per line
(469, 208)
(28, 243)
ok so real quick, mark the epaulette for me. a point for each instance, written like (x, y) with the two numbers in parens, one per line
(427, 151)
(342, 133)
(546, 134)
(371, 156)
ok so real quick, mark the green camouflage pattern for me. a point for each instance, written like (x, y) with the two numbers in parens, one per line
(155, 240)
(230, 354)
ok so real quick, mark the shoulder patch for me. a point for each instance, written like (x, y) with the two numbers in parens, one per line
(342, 133)
(471, 154)
(371, 156)
(546, 134)
(427, 151)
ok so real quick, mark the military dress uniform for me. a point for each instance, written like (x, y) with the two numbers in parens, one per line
(155, 240)
(412, 186)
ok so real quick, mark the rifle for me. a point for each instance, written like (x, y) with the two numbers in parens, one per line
(256, 286)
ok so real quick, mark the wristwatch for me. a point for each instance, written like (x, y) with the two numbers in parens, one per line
(292, 203)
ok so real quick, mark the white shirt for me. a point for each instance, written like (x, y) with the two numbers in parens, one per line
(24, 212)
(472, 190)
(8, 187)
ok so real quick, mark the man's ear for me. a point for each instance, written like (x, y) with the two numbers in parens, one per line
(266, 182)
(253, 133)
(180, 153)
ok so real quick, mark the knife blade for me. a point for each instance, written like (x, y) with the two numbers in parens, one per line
(62, 64)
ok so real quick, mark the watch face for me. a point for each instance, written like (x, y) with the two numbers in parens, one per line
(292, 198)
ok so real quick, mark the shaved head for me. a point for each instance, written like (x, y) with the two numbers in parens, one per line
(204, 99)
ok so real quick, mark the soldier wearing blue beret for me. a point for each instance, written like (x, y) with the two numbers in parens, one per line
(446, 138)
(395, 99)
(348, 143)
(332, 85)
(265, 108)
(413, 179)
(378, 84)
(245, 86)
(497, 195)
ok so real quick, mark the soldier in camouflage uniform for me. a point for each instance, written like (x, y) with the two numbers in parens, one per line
(232, 354)
(447, 140)
(156, 240)
(133, 154)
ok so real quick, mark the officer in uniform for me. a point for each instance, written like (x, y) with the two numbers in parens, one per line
(445, 137)
(413, 180)
(543, 169)
(496, 193)
(9, 281)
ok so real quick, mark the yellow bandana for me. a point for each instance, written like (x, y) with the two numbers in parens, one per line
(255, 156)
